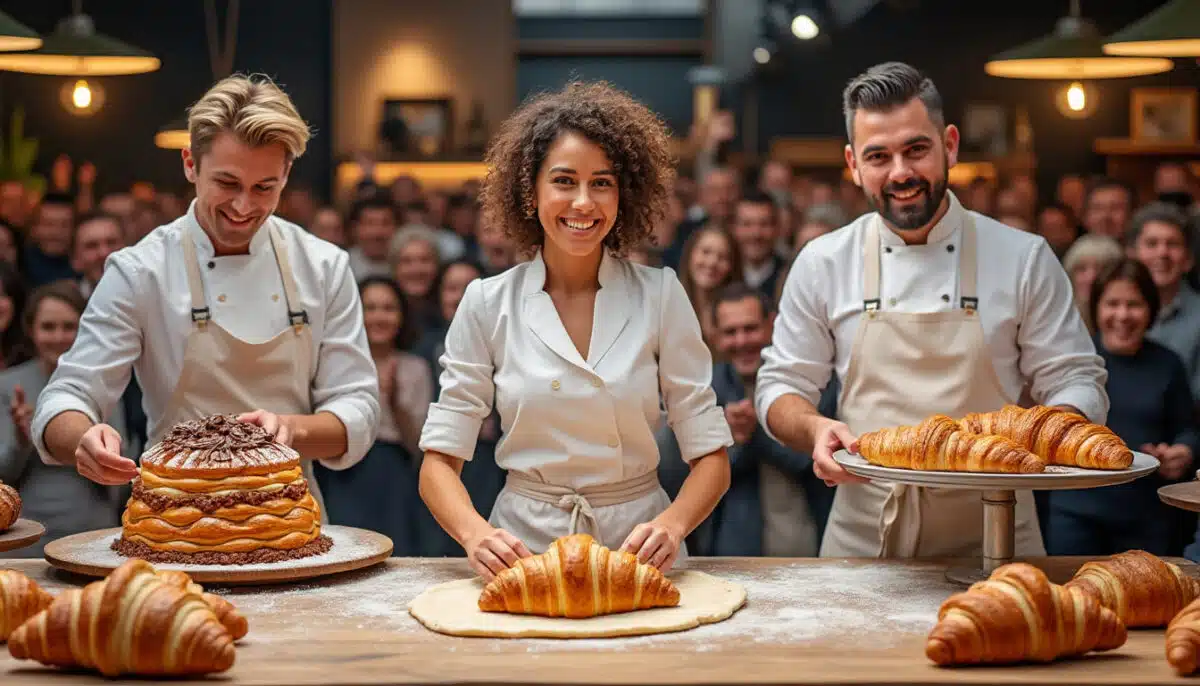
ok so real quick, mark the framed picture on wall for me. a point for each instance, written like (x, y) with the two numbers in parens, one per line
(1163, 115)
(417, 127)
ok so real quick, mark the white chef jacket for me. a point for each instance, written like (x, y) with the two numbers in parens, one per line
(566, 420)
(139, 317)
(1033, 329)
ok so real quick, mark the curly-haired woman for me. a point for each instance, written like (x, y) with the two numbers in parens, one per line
(576, 347)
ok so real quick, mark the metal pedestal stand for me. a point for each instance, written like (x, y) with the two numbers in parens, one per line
(999, 538)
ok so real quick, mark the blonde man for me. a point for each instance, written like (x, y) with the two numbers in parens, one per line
(226, 310)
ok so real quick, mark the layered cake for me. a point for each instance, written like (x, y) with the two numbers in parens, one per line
(220, 491)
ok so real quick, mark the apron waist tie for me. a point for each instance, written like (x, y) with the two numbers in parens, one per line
(581, 502)
(902, 498)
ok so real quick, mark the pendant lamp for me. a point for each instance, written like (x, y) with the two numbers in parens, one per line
(16, 36)
(173, 136)
(1075, 51)
(1172, 30)
(75, 49)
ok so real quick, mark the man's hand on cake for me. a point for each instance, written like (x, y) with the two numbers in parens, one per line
(272, 423)
(493, 551)
(98, 457)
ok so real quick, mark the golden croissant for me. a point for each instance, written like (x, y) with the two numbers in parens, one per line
(1142, 589)
(1183, 640)
(939, 443)
(226, 613)
(20, 599)
(10, 506)
(1018, 615)
(1056, 436)
(130, 623)
(577, 577)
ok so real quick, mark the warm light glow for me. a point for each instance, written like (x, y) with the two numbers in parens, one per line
(81, 96)
(173, 139)
(15, 43)
(762, 55)
(804, 28)
(1183, 47)
(1076, 97)
(1078, 68)
(75, 65)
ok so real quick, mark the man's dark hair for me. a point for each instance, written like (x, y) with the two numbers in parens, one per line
(376, 201)
(1164, 213)
(887, 86)
(754, 196)
(737, 291)
(1102, 183)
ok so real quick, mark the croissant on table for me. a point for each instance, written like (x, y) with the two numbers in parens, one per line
(1183, 640)
(1018, 615)
(226, 613)
(940, 444)
(20, 599)
(130, 623)
(1056, 436)
(10, 506)
(576, 578)
(1144, 590)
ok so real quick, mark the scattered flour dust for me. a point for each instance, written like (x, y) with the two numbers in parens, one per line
(788, 604)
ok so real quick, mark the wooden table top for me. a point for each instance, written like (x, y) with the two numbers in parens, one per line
(806, 621)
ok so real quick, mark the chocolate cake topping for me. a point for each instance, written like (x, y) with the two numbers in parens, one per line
(218, 437)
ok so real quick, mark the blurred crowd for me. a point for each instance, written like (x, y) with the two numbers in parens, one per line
(731, 236)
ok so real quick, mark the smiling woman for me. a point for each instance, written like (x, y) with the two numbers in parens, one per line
(576, 348)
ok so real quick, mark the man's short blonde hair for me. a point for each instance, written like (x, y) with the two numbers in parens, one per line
(252, 108)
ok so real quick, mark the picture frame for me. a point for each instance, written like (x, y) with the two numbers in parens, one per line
(1163, 115)
(986, 129)
(417, 127)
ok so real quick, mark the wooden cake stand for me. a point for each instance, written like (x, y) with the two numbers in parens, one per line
(91, 554)
(23, 533)
(998, 492)
(1185, 496)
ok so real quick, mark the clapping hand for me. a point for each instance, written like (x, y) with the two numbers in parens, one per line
(1174, 459)
(21, 414)
(742, 420)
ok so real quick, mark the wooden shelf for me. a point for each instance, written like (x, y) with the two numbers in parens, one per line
(431, 174)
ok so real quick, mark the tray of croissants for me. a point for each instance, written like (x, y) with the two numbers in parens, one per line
(1015, 447)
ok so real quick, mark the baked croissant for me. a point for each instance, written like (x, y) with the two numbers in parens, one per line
(577, 577)
(1142, 589)
(131, 623)
(226, 613)
(1018, 615)
(1056, 436)
(1183, 640)
(20, 599)
(10, 506)
(939, 443)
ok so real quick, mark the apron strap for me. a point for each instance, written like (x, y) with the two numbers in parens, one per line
(582, 502)
(200, 312)
(968, 264)
(298, 317)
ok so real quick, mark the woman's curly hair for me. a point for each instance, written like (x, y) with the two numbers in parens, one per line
(634, 139)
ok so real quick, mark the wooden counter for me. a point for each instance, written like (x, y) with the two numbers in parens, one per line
(806, 621)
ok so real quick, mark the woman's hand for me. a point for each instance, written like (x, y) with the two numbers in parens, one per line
(1174, 459)
(494, 550)
(655, 543)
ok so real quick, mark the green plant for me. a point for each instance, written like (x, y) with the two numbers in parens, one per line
(18, 155)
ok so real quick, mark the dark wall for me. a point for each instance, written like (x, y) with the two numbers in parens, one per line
(286, 39)
(952, 46)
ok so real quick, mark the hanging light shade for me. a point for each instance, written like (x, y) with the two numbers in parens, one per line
(1075, 51)
(16, 36)
(174, 136)
(1172, 30)
(75, 49)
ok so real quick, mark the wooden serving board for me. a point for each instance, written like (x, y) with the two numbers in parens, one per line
(1185, 496)
(806, 621)
(23, 533)
(90, 554)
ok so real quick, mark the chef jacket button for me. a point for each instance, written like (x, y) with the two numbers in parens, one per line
(555, 384)
(221, 297)
(892, 302)
(613, 442)
(274, 296)
(597, 383)
(211, 264)
(945, 298)
(888, 249)
(950, 248)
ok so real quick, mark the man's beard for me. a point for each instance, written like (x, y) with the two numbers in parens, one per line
(909, 217)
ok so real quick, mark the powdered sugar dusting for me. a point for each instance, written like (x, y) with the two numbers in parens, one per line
(794, 603)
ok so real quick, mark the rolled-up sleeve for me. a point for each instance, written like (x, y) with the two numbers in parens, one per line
(1057, 353)
(468, 390)
(92, 375)
(800, 358)
(685, 376)
(346, 383)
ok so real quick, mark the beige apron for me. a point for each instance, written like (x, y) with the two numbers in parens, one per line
(903, 368)
(537, 512)
(223, 374)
